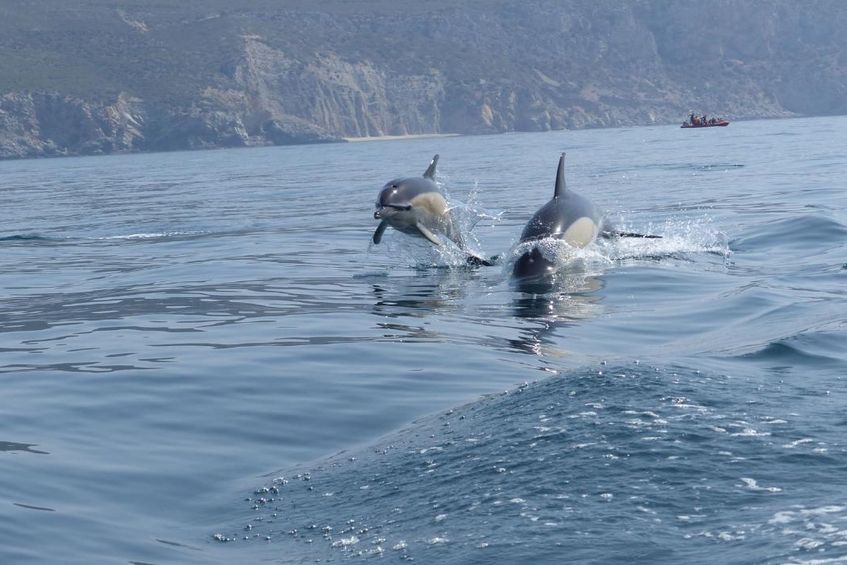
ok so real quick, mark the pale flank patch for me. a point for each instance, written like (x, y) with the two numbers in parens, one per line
(581, 232)
(431, 202)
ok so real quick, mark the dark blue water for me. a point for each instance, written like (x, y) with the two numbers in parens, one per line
(204, 360)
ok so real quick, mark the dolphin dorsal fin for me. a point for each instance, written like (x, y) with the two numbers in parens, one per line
(430, 171)
(560, 178)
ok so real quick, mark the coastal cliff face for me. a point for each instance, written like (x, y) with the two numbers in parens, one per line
(48, 124)
(92, 79)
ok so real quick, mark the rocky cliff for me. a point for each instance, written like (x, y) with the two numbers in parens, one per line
(86, 77)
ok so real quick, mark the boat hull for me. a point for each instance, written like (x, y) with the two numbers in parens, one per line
(719, 124)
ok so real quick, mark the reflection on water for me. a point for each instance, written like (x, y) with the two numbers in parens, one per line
(417, 296)
(427, 293)
(561, 301)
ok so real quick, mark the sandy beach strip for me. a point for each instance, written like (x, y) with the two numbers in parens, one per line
(396, 137)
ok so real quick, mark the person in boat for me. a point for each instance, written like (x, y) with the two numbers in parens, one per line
(691, 118)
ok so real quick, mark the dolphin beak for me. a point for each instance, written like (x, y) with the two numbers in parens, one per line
(378, 214)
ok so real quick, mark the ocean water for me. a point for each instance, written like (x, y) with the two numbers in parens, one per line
(204, 359)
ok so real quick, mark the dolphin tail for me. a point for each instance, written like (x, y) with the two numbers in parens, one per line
(430, 171)
(560, 178)
(609, 234)
(475, 261)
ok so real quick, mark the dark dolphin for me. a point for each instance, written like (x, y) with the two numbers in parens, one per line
(568, 216)
(416, 206)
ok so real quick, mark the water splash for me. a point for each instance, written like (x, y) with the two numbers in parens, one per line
(678, 238)
(35, 238)
(154, 235)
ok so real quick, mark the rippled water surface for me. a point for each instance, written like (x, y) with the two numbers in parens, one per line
(205, 360)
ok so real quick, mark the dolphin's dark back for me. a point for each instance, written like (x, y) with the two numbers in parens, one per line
(411, 187)
(553, 218)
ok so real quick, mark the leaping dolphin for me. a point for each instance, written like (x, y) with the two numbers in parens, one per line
(416, 206)
(569, 217)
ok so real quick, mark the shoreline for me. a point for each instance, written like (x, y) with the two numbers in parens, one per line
(396, 137)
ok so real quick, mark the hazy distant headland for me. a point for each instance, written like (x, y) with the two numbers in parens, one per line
(93, 76)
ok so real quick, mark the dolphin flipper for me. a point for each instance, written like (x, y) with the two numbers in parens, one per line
(380, 229)
(427, 234)
(471, 259)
